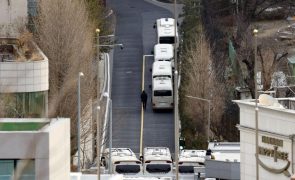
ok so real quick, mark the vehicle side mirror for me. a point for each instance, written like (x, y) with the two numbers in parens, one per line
(150, 69)
(152, 52)
(154, 26)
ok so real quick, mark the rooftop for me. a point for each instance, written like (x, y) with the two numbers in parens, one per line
(7, 124)
(19, 49)
(23, 126)
(224, 146)
(279, 104)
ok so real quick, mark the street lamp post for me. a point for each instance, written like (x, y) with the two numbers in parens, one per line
(78, 121)
(98, 142)
(98, 58)
(111, 134)
(98, 45)
(209, 114)
(176, 122)
(110, 130)
(255, 32)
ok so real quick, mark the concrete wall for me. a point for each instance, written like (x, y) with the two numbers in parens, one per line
(59, 152)
(29, 76)
(222, 169)
(50, 147)
(11, 10)
(274, 123)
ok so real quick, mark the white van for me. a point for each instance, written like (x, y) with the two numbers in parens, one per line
(164, 52)
(189, 159)
(157, 160)
(162, 86)
(124, 161)
(166, 31)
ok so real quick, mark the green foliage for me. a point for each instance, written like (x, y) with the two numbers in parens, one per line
(191, 23)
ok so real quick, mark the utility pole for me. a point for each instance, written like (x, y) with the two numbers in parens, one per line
(79, 121)
(98, 142)
(255, 32)
(98, 58)
(176, 122)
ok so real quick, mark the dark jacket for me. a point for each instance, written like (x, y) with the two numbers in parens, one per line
(143, 96)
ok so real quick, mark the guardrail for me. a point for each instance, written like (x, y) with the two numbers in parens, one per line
(105, 89)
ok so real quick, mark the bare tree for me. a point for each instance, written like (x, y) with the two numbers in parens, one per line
(200, 81)
(240, 31)
(270, 54)
(65, 34)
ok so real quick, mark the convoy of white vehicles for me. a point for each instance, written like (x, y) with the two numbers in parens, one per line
(155, 161)
(162, 76)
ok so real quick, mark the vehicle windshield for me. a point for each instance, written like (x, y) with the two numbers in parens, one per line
(167, 40)
(158, 168)
(186, 169)
(155, 76)
(163, 93)
(125, 169)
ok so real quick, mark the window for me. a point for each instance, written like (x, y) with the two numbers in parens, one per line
(24, 105)
(11, 169)
(124, 169)
(163, 93)
(158, 168)
(32, 14)
(167, 40)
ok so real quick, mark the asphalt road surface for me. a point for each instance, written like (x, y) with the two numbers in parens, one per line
(134, 28)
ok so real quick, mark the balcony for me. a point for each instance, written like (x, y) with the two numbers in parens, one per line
(23, 67)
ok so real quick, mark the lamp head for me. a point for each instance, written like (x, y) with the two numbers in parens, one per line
(105, 94)
(97, 30)
(121, 46)
(81, 74)
(255, 32)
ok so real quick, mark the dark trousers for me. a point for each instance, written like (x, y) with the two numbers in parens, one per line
(144, 104)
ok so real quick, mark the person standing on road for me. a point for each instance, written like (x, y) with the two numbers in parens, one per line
(144, 98)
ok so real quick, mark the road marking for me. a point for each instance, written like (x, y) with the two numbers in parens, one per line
(142, 111)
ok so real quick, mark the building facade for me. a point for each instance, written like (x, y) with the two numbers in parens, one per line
(35, 149)
(24, 80)
(276, 131)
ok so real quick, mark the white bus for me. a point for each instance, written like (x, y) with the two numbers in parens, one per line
(157, 161)
(124, 161)
(164, 52)
(166, 31)
(189, 159)
(162, 86)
